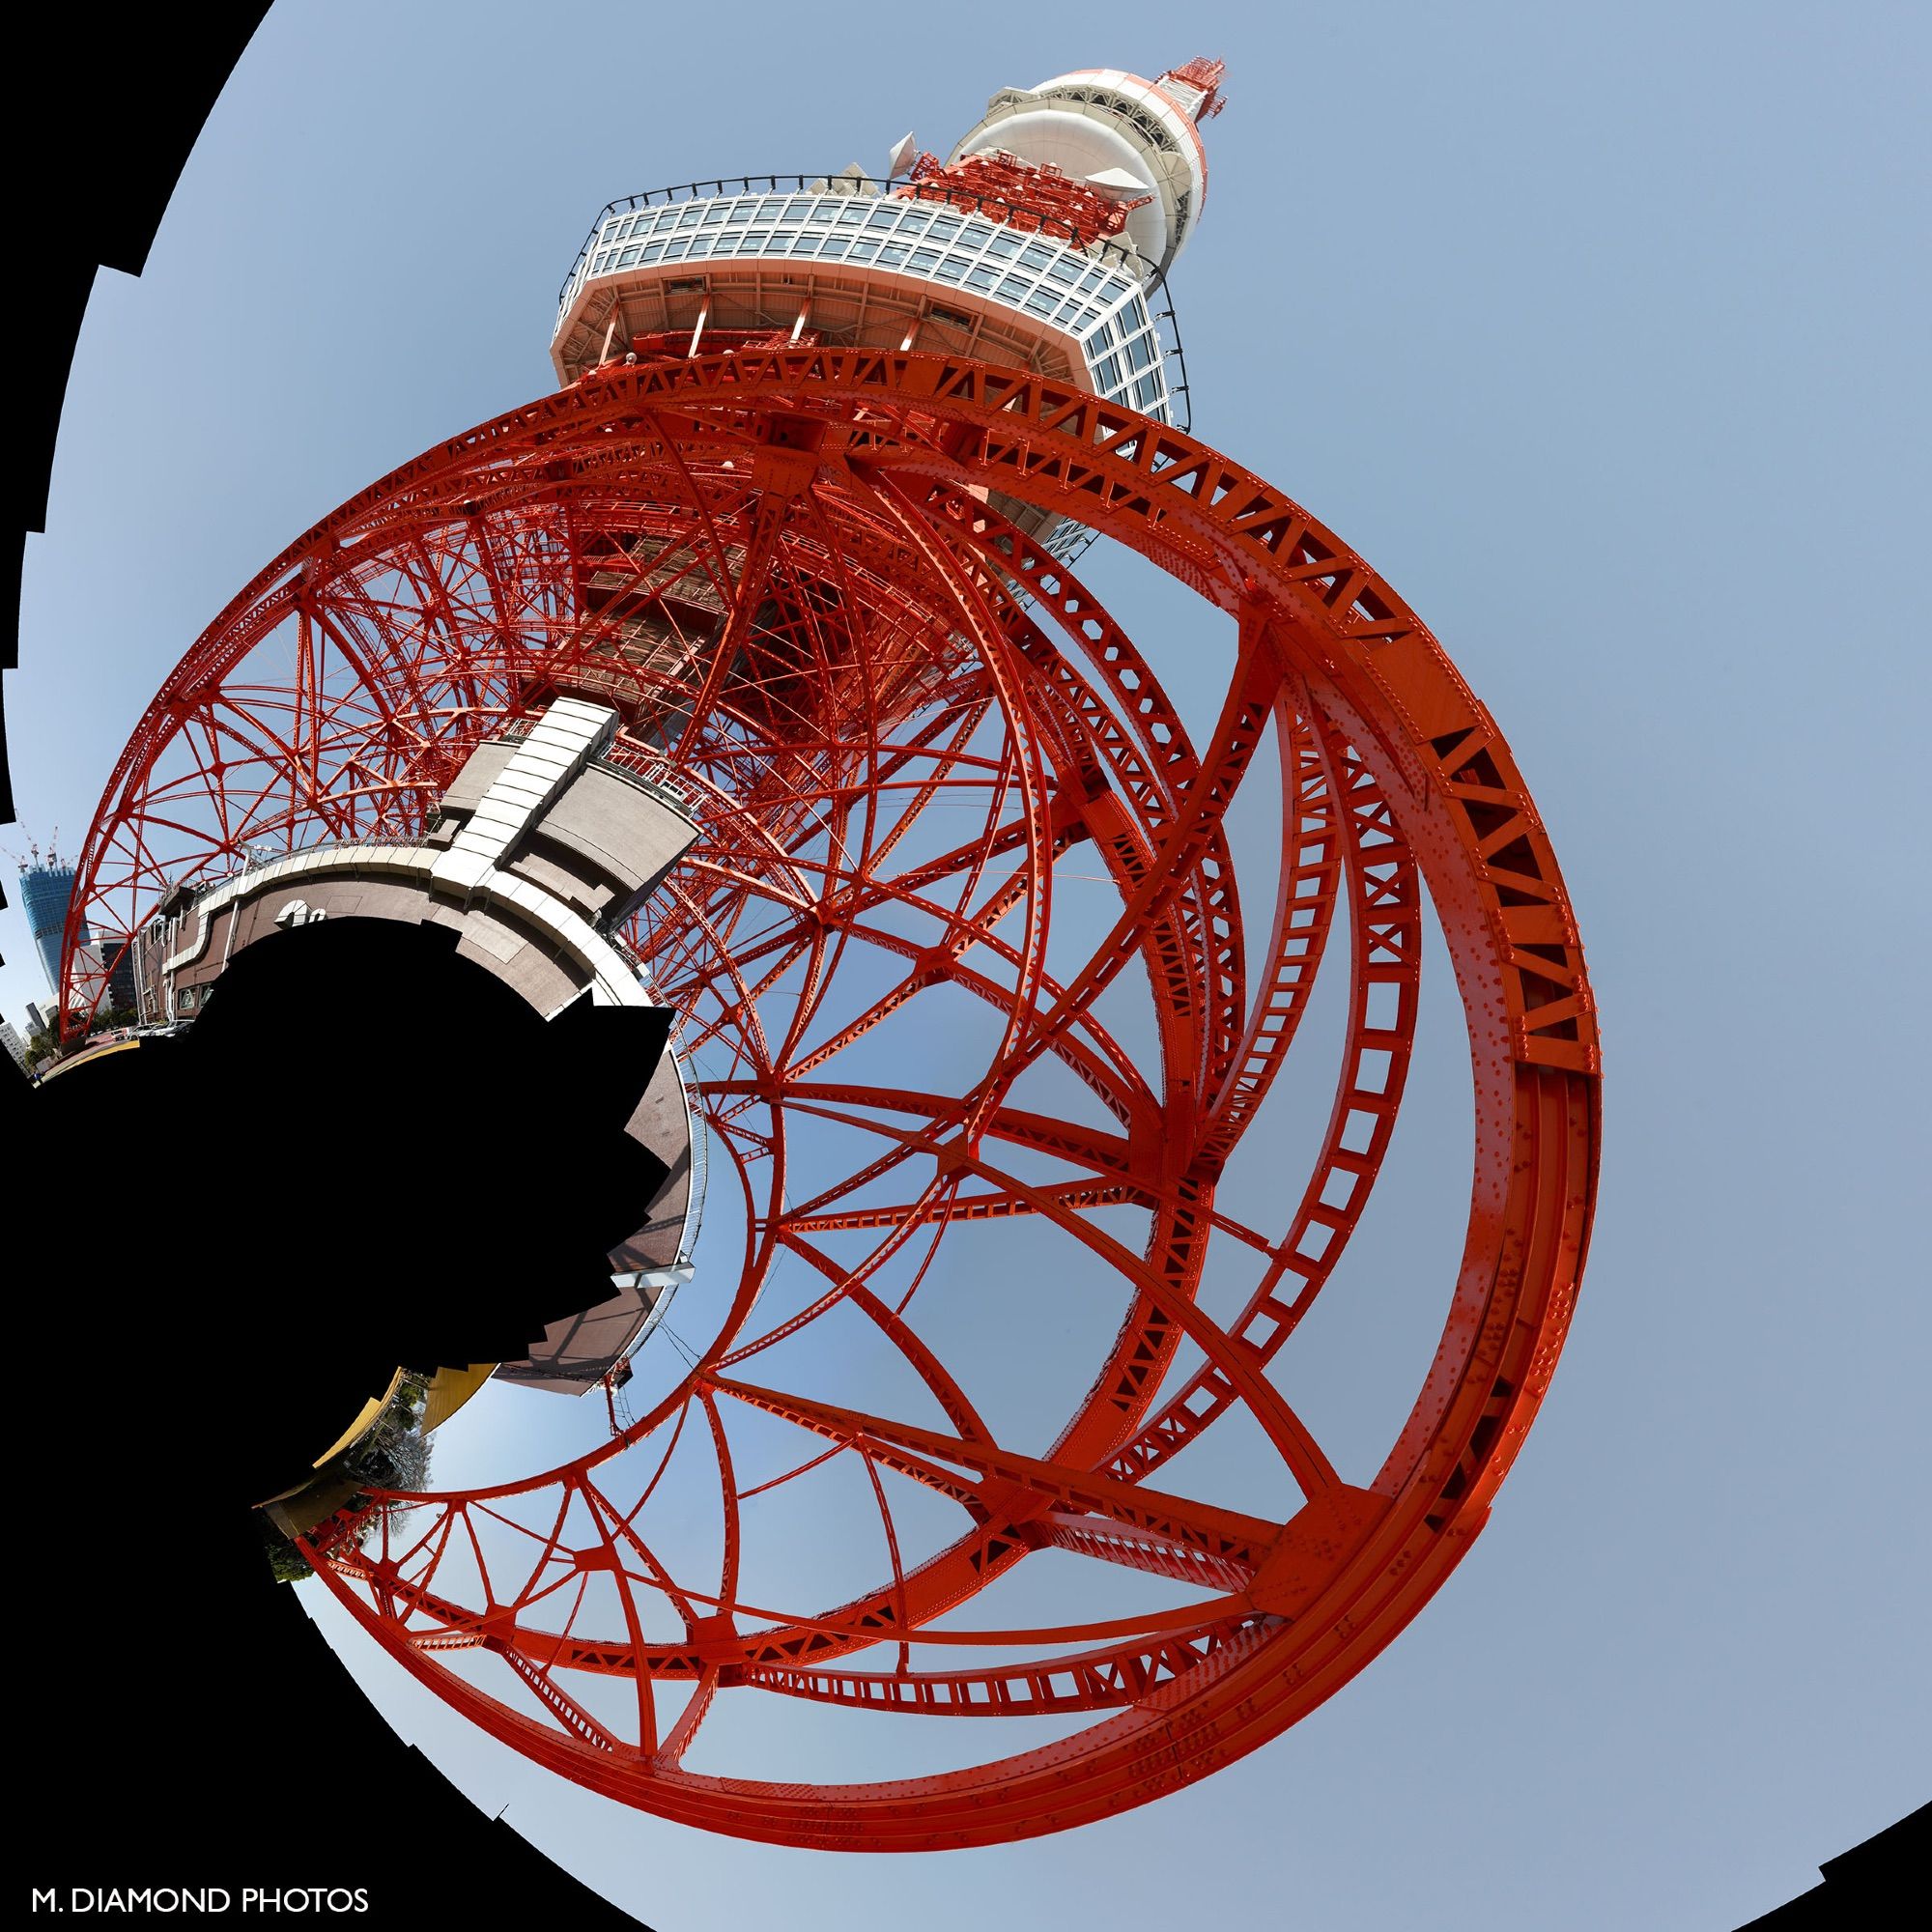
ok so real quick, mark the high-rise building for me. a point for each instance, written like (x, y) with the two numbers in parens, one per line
(16, 1048)
(45, 890)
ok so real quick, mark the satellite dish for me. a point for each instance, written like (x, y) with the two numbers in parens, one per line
(904, 151)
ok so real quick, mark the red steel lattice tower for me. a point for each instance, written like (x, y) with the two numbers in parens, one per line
(804, 514)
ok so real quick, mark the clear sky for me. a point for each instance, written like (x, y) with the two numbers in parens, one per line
(1601, 332)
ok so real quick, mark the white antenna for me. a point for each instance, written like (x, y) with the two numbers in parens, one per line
(900, 158)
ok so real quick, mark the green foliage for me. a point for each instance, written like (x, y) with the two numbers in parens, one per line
(286, 1562)
(393, 1454)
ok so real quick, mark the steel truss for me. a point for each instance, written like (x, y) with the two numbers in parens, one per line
(897, 716)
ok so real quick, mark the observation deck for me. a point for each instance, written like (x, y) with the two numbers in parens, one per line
(860, 261)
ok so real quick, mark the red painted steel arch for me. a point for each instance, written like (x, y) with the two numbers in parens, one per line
(793, 573)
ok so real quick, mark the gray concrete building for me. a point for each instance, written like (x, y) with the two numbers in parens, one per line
(539, 849)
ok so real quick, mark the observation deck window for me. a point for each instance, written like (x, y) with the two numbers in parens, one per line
(1098, 298)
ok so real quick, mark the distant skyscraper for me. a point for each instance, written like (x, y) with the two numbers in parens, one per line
(45, 892)
(16, 1048)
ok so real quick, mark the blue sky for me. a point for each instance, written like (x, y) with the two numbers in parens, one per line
(1601, 334)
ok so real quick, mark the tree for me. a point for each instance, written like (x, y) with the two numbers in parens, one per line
(391, 1454)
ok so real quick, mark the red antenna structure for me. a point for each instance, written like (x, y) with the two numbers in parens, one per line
(1034, 199)
(826, 581)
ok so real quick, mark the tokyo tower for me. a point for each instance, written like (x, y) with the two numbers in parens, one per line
(748, 682)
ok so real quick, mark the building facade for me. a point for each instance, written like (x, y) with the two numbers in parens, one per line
(541, 846)
(46, 890)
